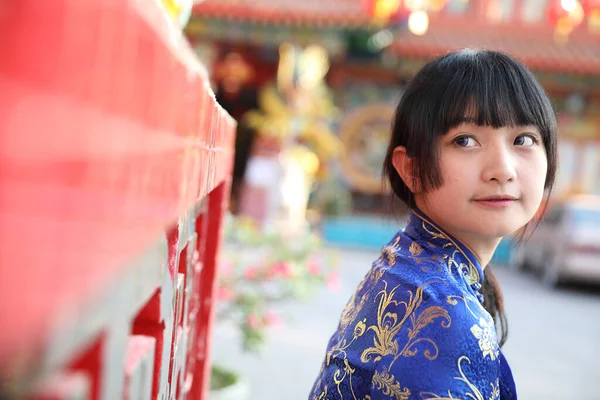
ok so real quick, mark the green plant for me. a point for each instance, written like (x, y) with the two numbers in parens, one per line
(221, 377)
(262, 267)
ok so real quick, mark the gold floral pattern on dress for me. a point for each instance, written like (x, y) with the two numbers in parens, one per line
(433, 396)
(388, 326)
(386, 329)
(487, 339)
(340, 376)
(323, 394)
(453, 300)
(427, 261)
(495, 390)
(388, 253)
(352, 309)
(415, 249)
(474, 393)
(484, 332)
(472, 275)
(360, 328)
(389, 386)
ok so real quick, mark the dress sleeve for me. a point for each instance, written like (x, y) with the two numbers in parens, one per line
(445, 349)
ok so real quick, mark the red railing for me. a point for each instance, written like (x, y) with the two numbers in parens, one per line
(115, 169)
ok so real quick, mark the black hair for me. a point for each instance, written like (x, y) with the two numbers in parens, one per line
(488, 88)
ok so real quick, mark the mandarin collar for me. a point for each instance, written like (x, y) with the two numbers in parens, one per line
(421, 227)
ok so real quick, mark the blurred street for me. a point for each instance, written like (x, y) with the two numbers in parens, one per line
(553, 345)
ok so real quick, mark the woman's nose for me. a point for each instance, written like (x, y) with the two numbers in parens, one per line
(499, 164)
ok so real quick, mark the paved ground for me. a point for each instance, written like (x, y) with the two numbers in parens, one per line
(553, 347)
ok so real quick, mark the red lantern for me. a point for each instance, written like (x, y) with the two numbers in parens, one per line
(555, 12)
(589, 6)
(594, 20)
(383, 11)
(563, 19)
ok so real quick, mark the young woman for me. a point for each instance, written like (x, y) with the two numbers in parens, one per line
(472, 153)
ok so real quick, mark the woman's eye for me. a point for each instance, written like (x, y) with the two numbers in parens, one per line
(525, 141)
(465, 141)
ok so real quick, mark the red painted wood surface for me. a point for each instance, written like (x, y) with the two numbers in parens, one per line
(113, 153)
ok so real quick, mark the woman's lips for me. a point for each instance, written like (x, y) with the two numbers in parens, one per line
(496, 201)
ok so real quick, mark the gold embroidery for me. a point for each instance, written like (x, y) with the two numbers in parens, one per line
(495, 391)
(485, 334)
(469, 271)
(472, 274)
(348, 316)
(424, 319)
(386, 329)
(432, 396)
(338, 381)
(418, 256)
(390, 252)
(348, 371)
(389, 386)
(339, 348)
(352, 310)
(323, 394)
(319, 382)
(476, 395)
(390, 319)
(360, 327)
(388, 326)
(415, 249)
(451, 299)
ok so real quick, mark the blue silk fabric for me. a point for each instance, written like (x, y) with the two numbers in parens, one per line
(415, 328)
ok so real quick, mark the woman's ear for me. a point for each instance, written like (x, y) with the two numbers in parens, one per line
(403, 164)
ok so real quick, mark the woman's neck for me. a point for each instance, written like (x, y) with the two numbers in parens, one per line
(482, 247)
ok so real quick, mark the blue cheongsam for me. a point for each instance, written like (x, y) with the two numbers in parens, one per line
(416, 328)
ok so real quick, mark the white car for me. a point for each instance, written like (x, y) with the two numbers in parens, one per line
(566, 244)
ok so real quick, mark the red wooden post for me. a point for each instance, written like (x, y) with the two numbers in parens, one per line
(115, 167)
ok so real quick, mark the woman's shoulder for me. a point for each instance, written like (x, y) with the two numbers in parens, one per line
(406, 289)
(410, 276)
(419, 327)
(411, 262)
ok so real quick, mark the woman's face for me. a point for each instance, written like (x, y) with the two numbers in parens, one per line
(493, 181)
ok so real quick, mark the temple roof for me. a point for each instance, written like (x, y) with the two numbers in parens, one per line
(534, 46)
(287, 12)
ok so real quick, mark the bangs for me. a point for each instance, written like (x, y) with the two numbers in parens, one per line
(493, 92)
(483, 87)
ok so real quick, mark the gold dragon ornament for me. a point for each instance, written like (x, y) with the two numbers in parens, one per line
(297, 110)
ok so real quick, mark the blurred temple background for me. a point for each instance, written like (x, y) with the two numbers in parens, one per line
(371, 48)
(325, 76)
